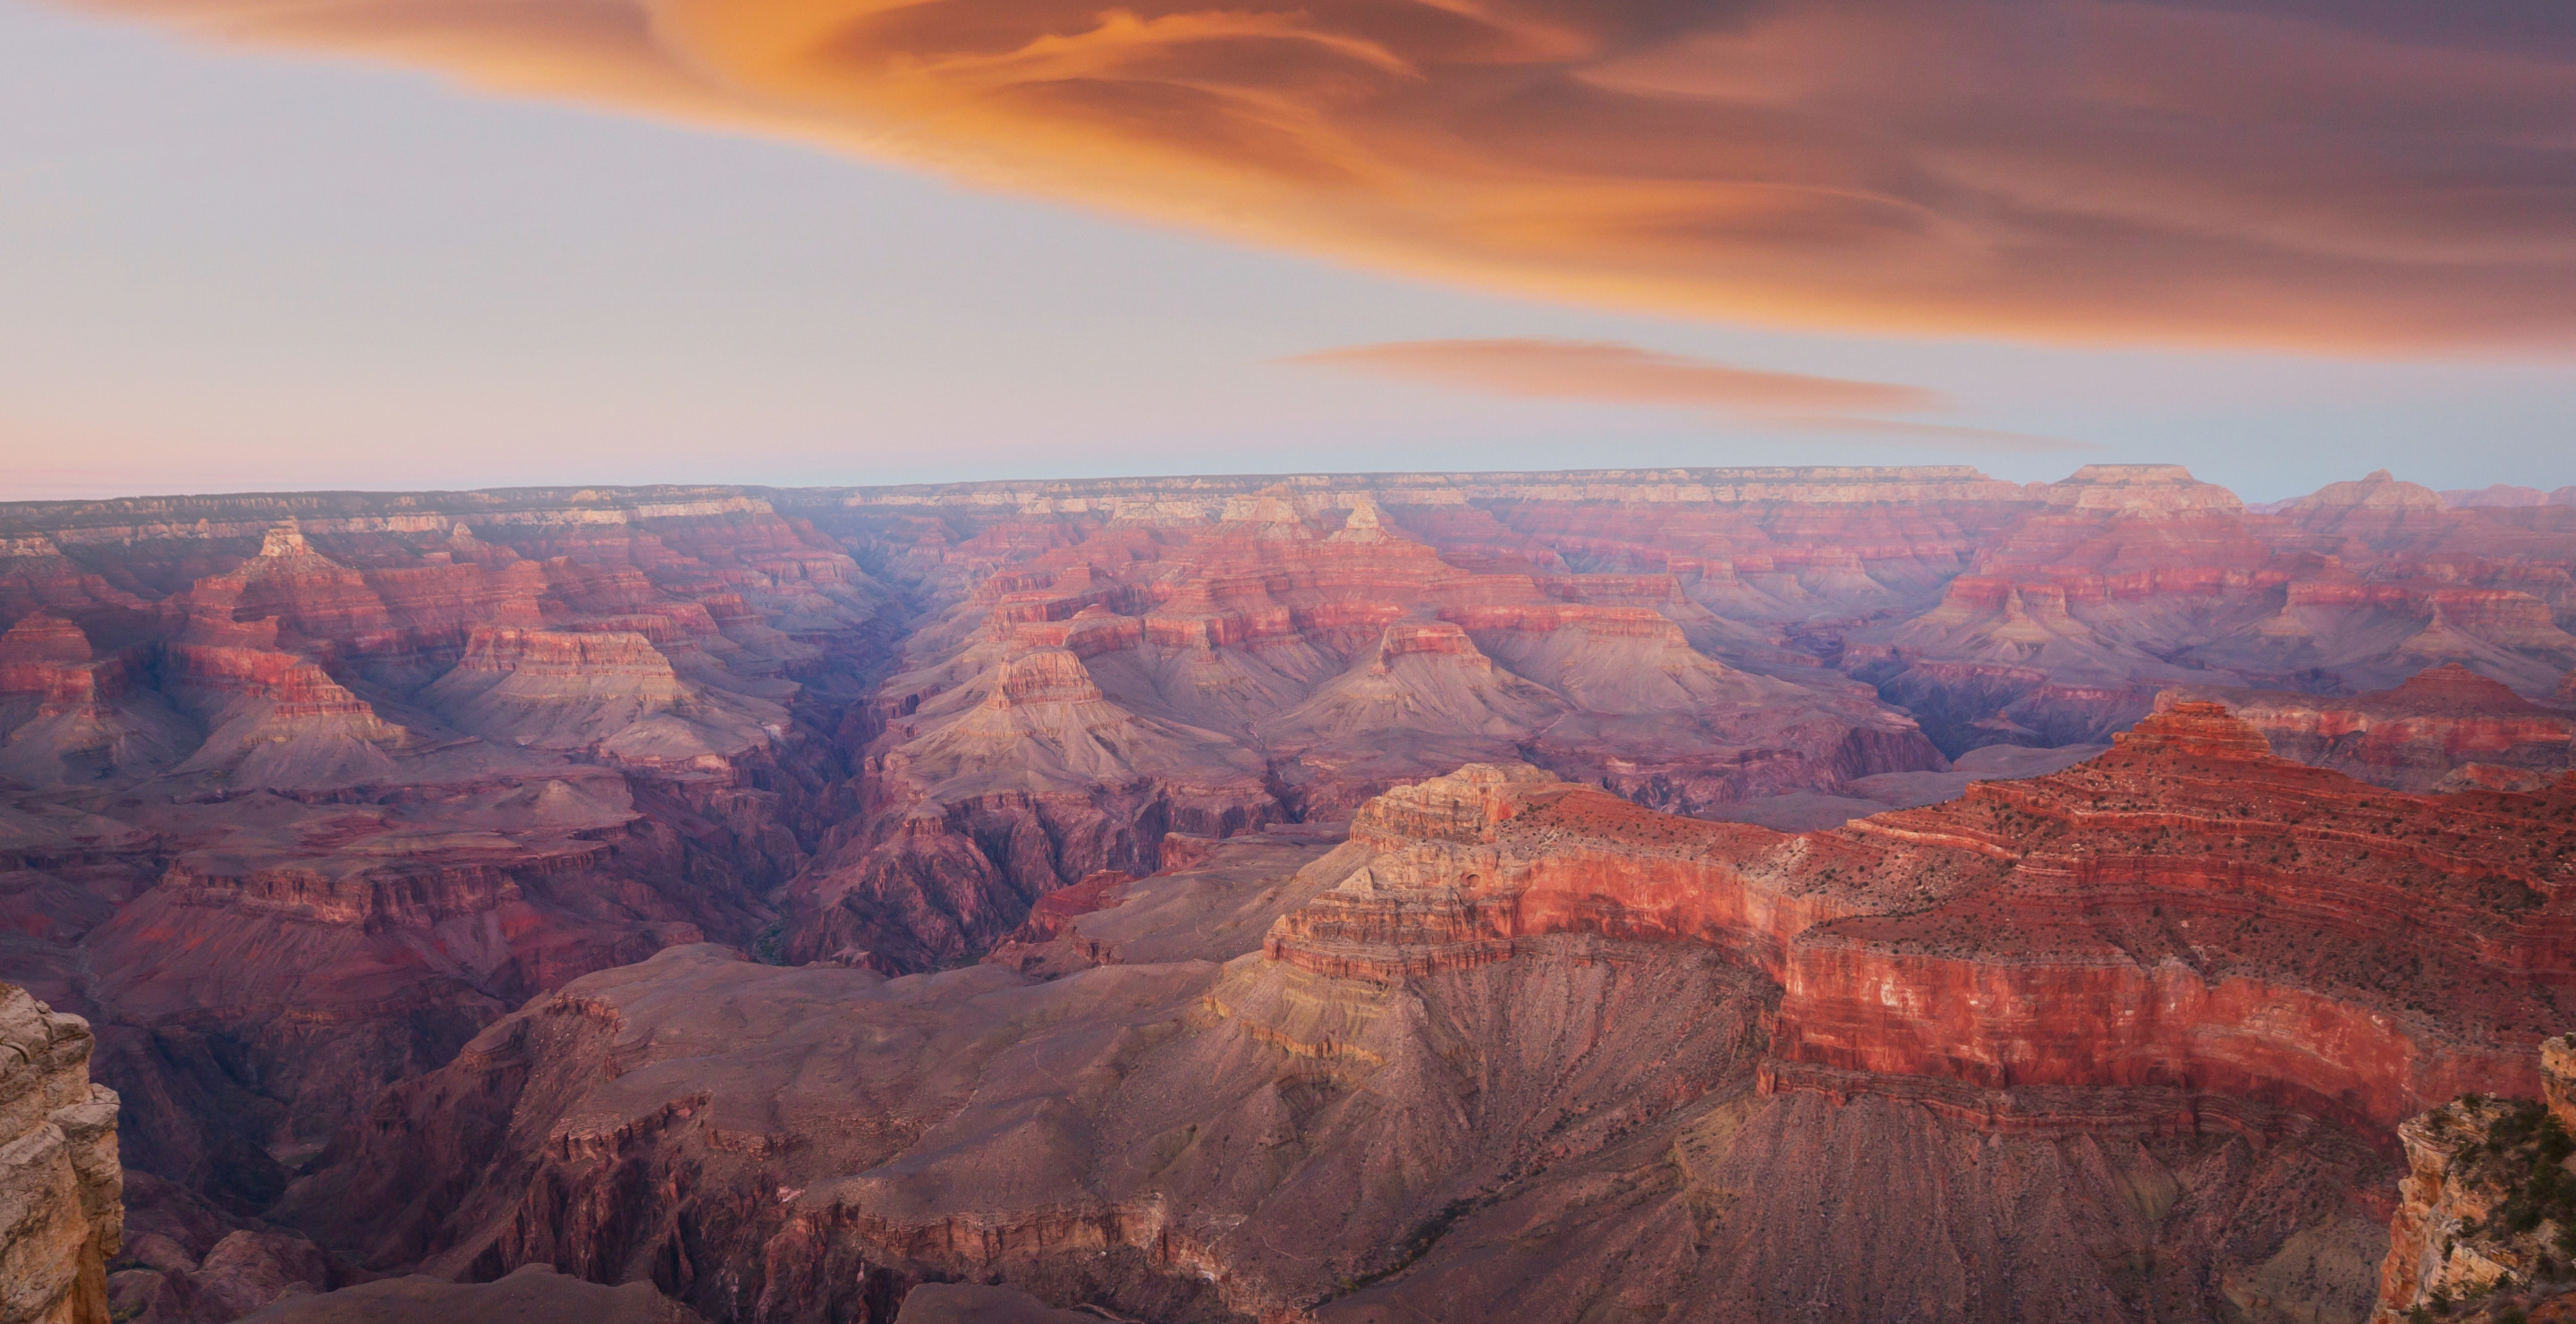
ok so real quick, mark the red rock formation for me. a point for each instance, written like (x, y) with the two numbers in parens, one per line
(2186, 912)
(2442, 722)
(314, 802)
(67, 715)
(259, 845)
(611, 693)
(1287, 660)
(47, 656)
(2248, 901)
(1451, 873)
(1512, 1021)
(36, 576)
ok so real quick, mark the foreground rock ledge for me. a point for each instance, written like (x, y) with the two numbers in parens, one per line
(2485, 1229)
(61, 1191)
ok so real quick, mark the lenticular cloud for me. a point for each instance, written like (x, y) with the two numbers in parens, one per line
(2264, 171)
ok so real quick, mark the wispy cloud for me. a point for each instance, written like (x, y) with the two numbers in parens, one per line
(1613, 372)
(2336, 176)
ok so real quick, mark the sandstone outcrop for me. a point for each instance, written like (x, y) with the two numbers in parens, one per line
(2422, 735)
(2485, 1227)
(2249, 901)
(61, 1190)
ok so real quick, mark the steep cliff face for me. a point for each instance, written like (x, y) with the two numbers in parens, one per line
(2184, 913)
(2190, 912)
(2096, 1045)
(2485, 1227)
(2446, 725)
(61, 1190)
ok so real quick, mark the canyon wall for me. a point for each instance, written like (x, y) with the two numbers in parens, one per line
(2443, 727)
(1509, 1019)
(292, 810)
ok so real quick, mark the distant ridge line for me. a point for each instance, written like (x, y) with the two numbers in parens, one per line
(224, 514)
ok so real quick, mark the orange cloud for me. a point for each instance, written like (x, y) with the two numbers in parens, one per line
(1614, 373)
(1609, 371)
(2336, 174)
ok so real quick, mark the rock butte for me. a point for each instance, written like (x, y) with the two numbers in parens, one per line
(302, 795)
(2444, 727)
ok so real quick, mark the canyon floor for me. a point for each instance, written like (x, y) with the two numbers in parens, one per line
(1853, 894)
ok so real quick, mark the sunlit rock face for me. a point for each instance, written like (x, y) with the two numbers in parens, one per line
(2190, 913)
(1167, 862)
(61, 1189)
(2477, 1233)
(2186, 913)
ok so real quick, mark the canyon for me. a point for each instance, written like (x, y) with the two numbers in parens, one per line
(1858, 893)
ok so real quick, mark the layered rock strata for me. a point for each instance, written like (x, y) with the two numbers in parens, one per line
(304, 791)
(2189, 912)
(293, 806)
(1282, 662)
(2485, 1227)
(61, 1190)
(2445, 725)
(2008, 940)
(1516, 1020)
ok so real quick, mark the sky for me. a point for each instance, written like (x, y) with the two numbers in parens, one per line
(461, 243)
